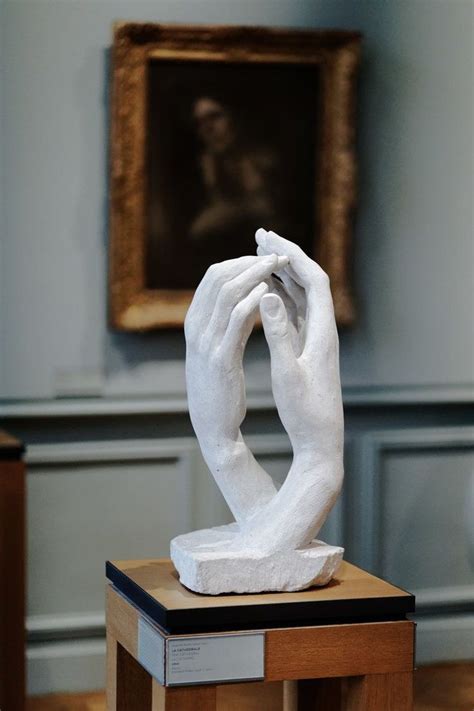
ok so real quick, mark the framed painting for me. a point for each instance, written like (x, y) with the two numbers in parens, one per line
(216, 131)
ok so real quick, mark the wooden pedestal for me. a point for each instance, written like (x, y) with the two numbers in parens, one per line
(12, 574)
(345, 646)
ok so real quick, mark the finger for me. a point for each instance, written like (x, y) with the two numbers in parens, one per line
(242, 322)
(237, 289)
(275, 326)
(261, 252)
(294, 323)
(303, 266)
(276, 287)
(297, 293)
(309, 275)
(202, 305)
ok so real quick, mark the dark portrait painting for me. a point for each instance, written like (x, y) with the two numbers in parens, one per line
(230, 147)
(216, 131)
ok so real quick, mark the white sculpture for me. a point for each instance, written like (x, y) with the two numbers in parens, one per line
(271, 546)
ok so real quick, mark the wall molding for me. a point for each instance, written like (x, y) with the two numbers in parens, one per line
(374, 396)
(181, 449)
(140, 449)
(442, 638)
(109, 451)
(371, 448)
(69, 666)
(42, 628)
(452, 596)
(50, 629)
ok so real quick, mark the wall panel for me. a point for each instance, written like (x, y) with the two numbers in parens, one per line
(81, 514)
(411, 520)
(93, 498)
(97, 500)
(424, 512)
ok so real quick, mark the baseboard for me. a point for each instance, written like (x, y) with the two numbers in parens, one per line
(77, 665)
(446, 638)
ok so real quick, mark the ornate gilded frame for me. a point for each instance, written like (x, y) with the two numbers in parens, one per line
(133, 307)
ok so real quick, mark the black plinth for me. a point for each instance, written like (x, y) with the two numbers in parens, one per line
(352, 596)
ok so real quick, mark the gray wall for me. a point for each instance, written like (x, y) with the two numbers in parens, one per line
(118, 474)
(413, 241)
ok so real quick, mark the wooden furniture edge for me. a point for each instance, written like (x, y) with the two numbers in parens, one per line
(10, 447)
(13, 573)
(180, 611)
(294, 653)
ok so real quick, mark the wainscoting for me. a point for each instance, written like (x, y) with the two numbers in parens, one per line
(112, 479)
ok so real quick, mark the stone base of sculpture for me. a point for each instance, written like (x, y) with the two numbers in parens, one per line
(208, 561)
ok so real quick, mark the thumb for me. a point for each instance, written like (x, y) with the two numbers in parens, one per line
(275, 325)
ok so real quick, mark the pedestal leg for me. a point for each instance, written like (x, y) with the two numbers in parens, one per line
(133, 683)
(111, 673)
(12, 592)
(183, 698)
(320, 695)
(290, 695)
(390, 692)
(128, 684)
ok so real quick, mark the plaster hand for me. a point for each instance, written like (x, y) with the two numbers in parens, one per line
(299, 324)
(217, 327)
(301, 332)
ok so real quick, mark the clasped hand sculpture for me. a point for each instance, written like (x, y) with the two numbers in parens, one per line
(271, 546)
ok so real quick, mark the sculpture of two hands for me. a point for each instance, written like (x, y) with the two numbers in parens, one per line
(271, 545)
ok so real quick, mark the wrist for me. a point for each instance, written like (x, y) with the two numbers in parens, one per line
(320, 442)
(319, 459)
(223, 453)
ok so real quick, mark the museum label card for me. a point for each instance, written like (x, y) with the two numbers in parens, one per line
(200, 659)
(151, 650)
(215, 658)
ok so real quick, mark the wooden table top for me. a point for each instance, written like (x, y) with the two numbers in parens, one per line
(353, 594)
